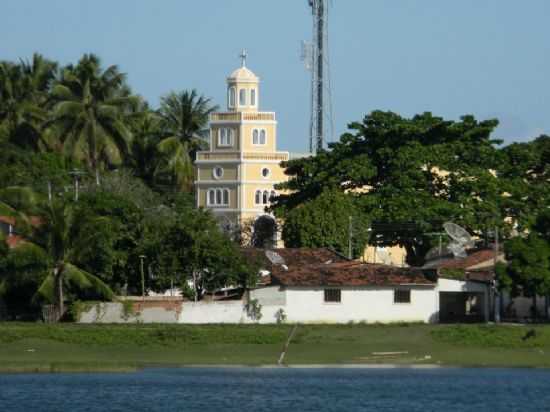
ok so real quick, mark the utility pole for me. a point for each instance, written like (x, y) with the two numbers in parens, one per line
(49, 192)
(350, 238)
(141, 257)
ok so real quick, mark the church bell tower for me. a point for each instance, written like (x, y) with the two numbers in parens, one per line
(235, 178)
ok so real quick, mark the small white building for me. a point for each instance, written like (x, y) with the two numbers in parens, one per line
(334, 290)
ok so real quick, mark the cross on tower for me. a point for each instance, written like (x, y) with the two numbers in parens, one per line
(243, 56)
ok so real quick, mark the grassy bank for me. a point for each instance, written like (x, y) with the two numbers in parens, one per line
(71, 347)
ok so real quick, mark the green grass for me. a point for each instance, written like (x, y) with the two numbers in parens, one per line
(71, 347)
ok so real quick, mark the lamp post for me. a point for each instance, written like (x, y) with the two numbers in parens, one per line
(76, 173)
(141, 258)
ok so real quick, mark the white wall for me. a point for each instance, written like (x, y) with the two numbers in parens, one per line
(451, 285)
(305, 305)
(361, 304)
(225, 312)
(113, 312)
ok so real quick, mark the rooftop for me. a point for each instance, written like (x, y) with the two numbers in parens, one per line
(350, 274)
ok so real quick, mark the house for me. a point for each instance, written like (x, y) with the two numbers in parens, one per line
(335, 290)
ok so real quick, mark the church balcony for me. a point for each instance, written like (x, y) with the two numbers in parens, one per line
(218, 156)
(242, 116)
(266, 156)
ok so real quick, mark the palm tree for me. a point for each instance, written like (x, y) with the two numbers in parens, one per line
(184, 120)
(144, 155)
(24, 91)
(89, 113)
(59, 236)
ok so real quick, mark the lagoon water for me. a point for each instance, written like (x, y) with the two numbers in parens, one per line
(276, 389)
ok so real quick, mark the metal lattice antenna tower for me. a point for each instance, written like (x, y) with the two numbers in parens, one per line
(315, 55)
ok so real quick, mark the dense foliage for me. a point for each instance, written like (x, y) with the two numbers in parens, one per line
(329, 220)
(410, 175)
(99, 182)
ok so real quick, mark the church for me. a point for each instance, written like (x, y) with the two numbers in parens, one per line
(236, 177)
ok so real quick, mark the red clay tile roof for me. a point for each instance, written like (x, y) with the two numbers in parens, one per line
(474, 258)
(349, 274)
(292, 256)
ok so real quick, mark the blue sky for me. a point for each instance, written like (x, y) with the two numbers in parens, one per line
(490, 58)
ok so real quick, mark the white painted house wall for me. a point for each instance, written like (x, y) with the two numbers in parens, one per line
(360, 304)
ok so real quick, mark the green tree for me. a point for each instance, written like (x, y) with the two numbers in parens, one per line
(24, 90)
(65, 240)
(411, 175)
(144, 153)
(198, 252)
(184, 118)
(527, 270)
(325, 222)
(89, 113)
(525, 175)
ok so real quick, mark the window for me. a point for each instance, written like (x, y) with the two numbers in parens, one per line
(242, 97)
(333, 295)
(218, 197)
(402, 296)
(258, 197)
(259, 136)
(273, 195)
(225, 137)
(218, 172)
(265, 197)
(253, 97)
(265, 172)
(231, 97)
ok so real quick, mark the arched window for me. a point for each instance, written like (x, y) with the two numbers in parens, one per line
(231, 97)
(218, 196)
(226, 197)
(255, 136)
(273, 195)
(225, 137)
(262, 136)
(265, 197)
(211, 197)
(258, 197)
(242, 97)
(253, 97)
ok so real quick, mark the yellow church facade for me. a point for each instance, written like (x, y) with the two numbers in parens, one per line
(235, 178)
